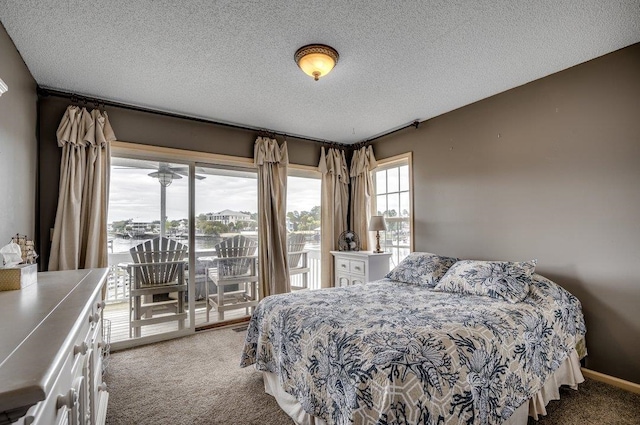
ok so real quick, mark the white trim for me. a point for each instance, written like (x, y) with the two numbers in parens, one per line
(139, 151)
(390, 162)
(136, 342)
(384, 162)
(611, 380)
(298, 170)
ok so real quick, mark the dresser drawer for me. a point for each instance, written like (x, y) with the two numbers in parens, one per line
(357, 267)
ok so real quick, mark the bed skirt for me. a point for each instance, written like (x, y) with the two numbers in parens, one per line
(567, 374)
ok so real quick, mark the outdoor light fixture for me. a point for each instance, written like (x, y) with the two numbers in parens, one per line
(3, 87)
(316, 60)
(164, 177)
(377, 224)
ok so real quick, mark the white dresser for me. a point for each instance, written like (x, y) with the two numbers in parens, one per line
(358, 267)
(51, 350)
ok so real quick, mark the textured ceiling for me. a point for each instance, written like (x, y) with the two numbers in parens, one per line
(232, 61)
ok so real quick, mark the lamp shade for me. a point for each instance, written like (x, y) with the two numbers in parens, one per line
(377, 223)
(316, 60)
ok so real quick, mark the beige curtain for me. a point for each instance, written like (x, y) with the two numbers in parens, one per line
(335, 199)
(80, 231)
(362, 162)
(271, 161)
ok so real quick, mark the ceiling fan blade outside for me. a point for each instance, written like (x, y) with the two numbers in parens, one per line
(185, 172)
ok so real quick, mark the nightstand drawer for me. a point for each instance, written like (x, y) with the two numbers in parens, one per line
(357, 267)
(342, 265)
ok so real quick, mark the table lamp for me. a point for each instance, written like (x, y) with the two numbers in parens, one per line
(377, 224)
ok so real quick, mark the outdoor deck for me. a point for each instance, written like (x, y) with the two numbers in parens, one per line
(117, 299)
(118, 315)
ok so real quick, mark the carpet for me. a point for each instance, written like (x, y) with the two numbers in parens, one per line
(197, 380)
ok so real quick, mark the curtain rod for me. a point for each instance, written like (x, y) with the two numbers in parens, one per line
(76, 98)
(414, 124)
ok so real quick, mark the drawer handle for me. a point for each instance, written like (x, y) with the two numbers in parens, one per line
(80, 348)
(94, 318)
(69, 399)
(344, 266)
(100, 304)
(357, 267)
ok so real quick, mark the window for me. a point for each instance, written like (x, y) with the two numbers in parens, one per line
(392, 182)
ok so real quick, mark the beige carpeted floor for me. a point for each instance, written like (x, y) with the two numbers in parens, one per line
(196, 380)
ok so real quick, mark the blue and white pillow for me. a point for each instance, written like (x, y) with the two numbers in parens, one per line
(503, 280)
(421, 268)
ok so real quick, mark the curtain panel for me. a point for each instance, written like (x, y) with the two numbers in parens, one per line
(335, 204)
(362, 163)
(272, 161)
(80, 230)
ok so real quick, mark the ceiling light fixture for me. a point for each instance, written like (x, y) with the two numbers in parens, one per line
(3, 87)
(316, 60)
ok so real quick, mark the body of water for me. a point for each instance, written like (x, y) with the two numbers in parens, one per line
(208, 243)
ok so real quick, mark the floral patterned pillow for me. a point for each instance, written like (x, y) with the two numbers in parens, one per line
(421, 268)
(497, 279)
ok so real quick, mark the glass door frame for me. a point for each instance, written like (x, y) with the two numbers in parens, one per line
(190, 159)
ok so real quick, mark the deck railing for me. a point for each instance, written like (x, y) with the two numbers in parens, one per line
(118, 279)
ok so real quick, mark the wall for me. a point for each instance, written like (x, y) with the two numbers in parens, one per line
(150, 129)
(549, 170)
(17, 144)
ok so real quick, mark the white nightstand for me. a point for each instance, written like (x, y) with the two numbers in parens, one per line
(358, 267)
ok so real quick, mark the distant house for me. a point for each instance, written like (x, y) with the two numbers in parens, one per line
(227, 217)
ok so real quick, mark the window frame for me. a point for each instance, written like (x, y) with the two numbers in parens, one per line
(393, 162)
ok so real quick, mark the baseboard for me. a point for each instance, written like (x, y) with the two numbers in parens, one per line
(611, 380)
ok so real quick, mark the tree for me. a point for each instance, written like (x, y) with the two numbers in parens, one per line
(120, 226)
(214, 228)
(304, 220)
(253, 216)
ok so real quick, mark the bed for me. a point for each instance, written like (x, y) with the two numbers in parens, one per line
(421, 349)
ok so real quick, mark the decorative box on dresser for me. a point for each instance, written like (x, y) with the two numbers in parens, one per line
(52, 349)
(358, 267)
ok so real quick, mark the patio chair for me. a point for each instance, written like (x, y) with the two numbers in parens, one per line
(235, 275)
(157, 270)
(298, 262)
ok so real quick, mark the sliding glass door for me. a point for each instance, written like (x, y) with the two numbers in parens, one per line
(203, 217)
(303, 225)
(149, 215)
(226, 243)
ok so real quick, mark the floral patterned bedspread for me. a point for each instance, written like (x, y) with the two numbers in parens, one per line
(395, 353)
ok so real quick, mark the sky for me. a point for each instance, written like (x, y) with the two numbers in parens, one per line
(135, 195)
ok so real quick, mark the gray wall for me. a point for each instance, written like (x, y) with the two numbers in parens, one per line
(144, 128)
(17, 144)
(549, 170)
